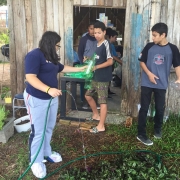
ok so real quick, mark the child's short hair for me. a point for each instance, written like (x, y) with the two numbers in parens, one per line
(160, 28)
(113, 33)
(93, 22)
(108, 31)
(100, 25)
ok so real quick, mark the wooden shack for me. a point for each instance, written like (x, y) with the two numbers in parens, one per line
(28, 19)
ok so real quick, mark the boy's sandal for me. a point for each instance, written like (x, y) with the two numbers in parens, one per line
(90, 119)
(95, 130)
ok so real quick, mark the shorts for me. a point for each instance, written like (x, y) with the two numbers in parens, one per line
(102, 91)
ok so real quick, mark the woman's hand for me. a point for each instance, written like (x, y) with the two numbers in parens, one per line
(54, 92)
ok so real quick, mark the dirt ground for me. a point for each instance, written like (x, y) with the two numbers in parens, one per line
(66, 139)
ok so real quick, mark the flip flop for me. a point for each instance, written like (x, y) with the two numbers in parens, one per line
(95, 130)
(90, 119)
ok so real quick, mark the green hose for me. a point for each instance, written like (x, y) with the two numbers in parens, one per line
(40, 142)
(159, 156)
(106, 153)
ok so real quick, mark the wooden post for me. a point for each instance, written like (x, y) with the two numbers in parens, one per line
(12, 48)
(68, 31)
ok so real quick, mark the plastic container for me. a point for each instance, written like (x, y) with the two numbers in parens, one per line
(22, 127)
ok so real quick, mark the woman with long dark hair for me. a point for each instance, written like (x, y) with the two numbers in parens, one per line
(41, 68)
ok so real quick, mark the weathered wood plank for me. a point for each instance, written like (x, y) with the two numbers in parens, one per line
(77, 2)
(49, 15)
(173, 96)
(136, 31)
(56, 15)
(34, 8)
(28, 25)
(84, 2)
(170, 20)
(126, 58)
(118, 3)
(61, 30)
(100, 2)
(164, 8)
(68, 31)
(108, 3)
(41, 20)
(156, 7)
(125, 3)
(92, 2)
(176, 29)
(20, 38)
(12, 47)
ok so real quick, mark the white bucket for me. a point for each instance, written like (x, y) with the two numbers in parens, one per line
(22, 127)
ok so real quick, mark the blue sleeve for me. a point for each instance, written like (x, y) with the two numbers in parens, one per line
(61, 67)
(113, 51)
(81, 48)
(76, 58)
(32, 64)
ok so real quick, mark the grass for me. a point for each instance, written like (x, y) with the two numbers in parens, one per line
(68, 142)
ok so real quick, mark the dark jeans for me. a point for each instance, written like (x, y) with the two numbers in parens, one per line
(159, 96)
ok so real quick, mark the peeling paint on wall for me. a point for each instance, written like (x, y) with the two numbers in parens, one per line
(69, 45)
(139, 35)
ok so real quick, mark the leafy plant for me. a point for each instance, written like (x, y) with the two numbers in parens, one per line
(3, 116)
(128, 167)
(5, 91)
(3, 2)
(4, 38)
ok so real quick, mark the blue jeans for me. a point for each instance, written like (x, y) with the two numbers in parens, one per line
(159, 97)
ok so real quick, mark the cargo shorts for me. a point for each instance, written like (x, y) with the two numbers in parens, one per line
(101, 88)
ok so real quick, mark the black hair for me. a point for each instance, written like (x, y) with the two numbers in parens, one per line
(93, 22)
(160, 28)
(47, 46)
(108, 31)
(100, 25)
(113, 33)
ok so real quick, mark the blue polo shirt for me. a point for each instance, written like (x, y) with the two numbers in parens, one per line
(35, 63)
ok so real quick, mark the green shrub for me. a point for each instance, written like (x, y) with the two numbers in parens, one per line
(3, 116)
(4, 38)
(5, 92)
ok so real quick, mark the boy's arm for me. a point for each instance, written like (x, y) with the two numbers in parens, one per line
(117, 59)
(109, 62)
(177, 69)
(150, 75)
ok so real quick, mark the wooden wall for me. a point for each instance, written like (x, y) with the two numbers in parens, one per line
(29, 19)
(141, 15)
(84, 15)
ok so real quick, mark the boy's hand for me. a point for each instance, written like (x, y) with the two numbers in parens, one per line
(177, 81)
(152, 78)
(94, 68)
(81, 69)
(85, 58)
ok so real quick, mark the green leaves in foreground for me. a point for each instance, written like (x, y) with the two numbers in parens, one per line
(138, 166)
